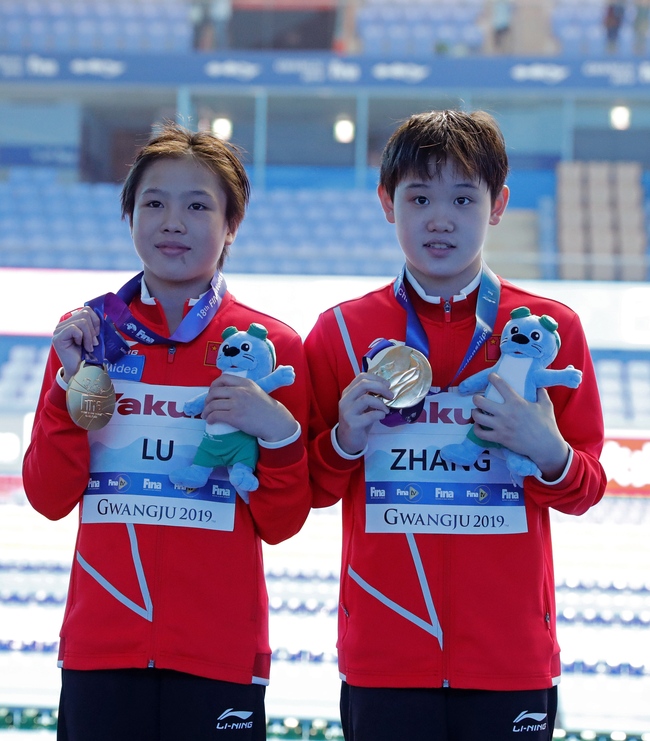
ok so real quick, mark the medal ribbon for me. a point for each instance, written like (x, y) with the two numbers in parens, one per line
(487, 306)
(114, 313)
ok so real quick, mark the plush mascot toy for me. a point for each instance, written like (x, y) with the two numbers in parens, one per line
(251, 355)
(529, 343)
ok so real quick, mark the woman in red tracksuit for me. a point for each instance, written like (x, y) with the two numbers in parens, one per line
(447, 612)
(165, 634)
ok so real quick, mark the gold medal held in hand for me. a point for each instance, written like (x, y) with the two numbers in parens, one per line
(90, 397)
(407, 371)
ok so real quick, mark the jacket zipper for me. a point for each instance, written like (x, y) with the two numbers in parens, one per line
(447, 310)
(171, 353)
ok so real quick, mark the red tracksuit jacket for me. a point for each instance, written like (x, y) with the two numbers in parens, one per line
(489, 596)
(179, 596)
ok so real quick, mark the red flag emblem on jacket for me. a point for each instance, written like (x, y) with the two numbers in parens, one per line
(492, 351)
(211, 350)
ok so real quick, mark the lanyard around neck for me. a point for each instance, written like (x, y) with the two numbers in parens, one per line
(115, 314)
(487, 306)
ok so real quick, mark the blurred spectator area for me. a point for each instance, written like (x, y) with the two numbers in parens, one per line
(180, 26)
(368, 27)
(601, 221)
(419, 27)
(580, 29)
(95, 25)
(582, 221)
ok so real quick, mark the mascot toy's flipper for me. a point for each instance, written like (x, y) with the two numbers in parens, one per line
(249, 354)
(529, 343)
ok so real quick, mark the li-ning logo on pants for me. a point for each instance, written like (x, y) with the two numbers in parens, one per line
(528, 722)
(223, 724)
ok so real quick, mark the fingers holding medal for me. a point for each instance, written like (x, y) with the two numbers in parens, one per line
(75, 334)
(90, 397)
(362, 403)
(392, 390)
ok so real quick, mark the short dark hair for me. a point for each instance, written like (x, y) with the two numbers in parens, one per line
(171, 141)
(426, 140)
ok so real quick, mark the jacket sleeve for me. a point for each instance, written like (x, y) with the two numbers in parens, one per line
(579, 417)
(279, 507)
(57, 462)
(330, 472)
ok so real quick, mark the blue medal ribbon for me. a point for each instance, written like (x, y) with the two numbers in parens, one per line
(115, 315)
(487, 306)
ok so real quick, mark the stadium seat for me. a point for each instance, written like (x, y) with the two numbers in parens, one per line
(63, 34)
(571, 37)
(374, 38)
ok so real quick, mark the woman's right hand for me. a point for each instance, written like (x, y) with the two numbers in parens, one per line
(362, 404)
(77, 331)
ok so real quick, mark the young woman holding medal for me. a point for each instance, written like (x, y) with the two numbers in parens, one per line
(447, 610)
(165, 634)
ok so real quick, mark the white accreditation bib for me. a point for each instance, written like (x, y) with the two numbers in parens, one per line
(411, 489)
(131, 459)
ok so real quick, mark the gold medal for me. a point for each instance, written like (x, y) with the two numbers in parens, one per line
(91, 397)
(407, 371)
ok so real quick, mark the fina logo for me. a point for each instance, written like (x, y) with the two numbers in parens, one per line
(121, 482)
(411, 492)
(481, 495)
(414, 493)
(537, 722)
(243, 722)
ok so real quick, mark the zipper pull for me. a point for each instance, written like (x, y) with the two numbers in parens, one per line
(447, 309)
(171, 353)
(151, 664)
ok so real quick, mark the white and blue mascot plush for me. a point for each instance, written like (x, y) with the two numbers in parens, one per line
(248, 354)
(529, 343)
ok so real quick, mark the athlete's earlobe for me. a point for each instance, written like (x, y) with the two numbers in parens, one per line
(499, 205)
(387, 204)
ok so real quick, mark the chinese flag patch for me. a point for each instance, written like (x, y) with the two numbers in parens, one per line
(211, 351)
(492, 351)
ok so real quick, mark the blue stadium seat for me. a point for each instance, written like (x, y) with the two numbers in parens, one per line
(389, 13)
(63, 34)
(374, 38)
(595, 39)
(181, 37)
(472, 38)
(155, 35)
(33, 175)
(14, 34)
(13, 9)
(110, 35)
(399, 39)
(131, 36)
(571, 36)
(87, 35)
(38, 34)
(447, 35)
